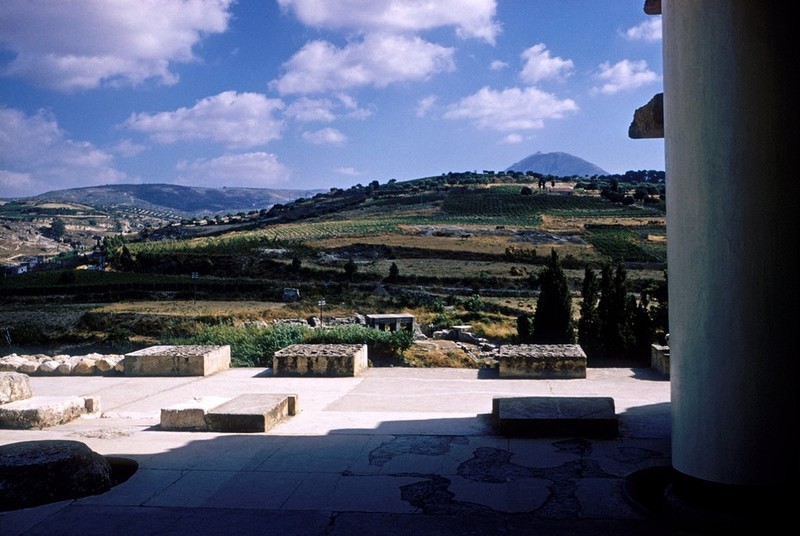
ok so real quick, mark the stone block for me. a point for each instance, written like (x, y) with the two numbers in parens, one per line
(177, 361)
(252, 412)
(41, 411)
(190, 415)
(542, 361)
(659, 359)
(320, 360)
(14, 386)
(551, 416)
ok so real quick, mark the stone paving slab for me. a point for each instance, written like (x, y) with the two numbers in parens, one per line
(549, 416)
(252, 412)
(41, 411)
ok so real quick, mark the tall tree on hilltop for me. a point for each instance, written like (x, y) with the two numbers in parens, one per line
(552, 320)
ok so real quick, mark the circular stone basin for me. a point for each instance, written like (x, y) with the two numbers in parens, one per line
(33, 473)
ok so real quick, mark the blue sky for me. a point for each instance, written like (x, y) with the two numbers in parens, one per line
(315, 94)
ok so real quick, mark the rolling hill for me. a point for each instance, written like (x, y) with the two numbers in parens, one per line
(175, 199)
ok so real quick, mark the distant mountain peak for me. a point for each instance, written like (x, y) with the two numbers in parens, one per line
(557, 164)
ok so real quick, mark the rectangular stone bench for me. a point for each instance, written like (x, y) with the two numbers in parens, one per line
(186, 360)
(541, 361)
(320, 360)
(552, 416)
(249, 412)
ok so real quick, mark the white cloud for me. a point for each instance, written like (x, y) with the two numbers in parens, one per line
(648, 31)
(237, 120)
(497, 65)
(128, 148)
(510, 109)
(623, 76)
(247, 170)
(471, 18)
(349, 171)
(79, 45)
(307, 110)
(512, 139)
(539, 65)
(325, 136)
(425, 104)
(36, 156)
(379, 60)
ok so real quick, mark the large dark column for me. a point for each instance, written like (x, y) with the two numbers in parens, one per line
(733, 203)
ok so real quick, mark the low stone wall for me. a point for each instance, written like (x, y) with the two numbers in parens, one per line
(542, 361)
(63, 365)
(320, 360)
(153, 361)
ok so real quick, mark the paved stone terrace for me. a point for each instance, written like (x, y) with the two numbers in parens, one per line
(394, 451)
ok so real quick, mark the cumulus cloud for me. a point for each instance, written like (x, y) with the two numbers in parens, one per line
(648, 31)
(470, 18)
(497, 65)
(379, 60)
(236, 120)
(37, 156)
(306, 110)
(247, 170)
(539, 65)
(623, 76)
(425, 104)
(510, 109)
(325, 136)
(80, 45)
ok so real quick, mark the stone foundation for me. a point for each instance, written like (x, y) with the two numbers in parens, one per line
(542, 361)
(320, 360)
(177, 361)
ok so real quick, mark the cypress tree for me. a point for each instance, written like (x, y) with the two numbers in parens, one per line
(552, 320)
(589, 323)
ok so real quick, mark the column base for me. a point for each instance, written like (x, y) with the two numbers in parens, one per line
(693, 504)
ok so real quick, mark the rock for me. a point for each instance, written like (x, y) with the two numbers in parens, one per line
(28, 367)
(648, 121)
(11, 363)
(85, 367)
(33, 473)
(108, 363)
(14, 386)
(49, 367)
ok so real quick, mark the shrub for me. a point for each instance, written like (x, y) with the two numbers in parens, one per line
(380, 344)
(251, 346)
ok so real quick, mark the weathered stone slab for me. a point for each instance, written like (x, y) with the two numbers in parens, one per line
(14, 386)
(542, 361)
(551, 416)
(320, 360)
(252, 412)
(177, 361)
(41, 411)
(33, 473)
(190, 415)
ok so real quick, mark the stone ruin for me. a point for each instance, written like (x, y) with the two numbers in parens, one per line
(543, 361)
(320, 360)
